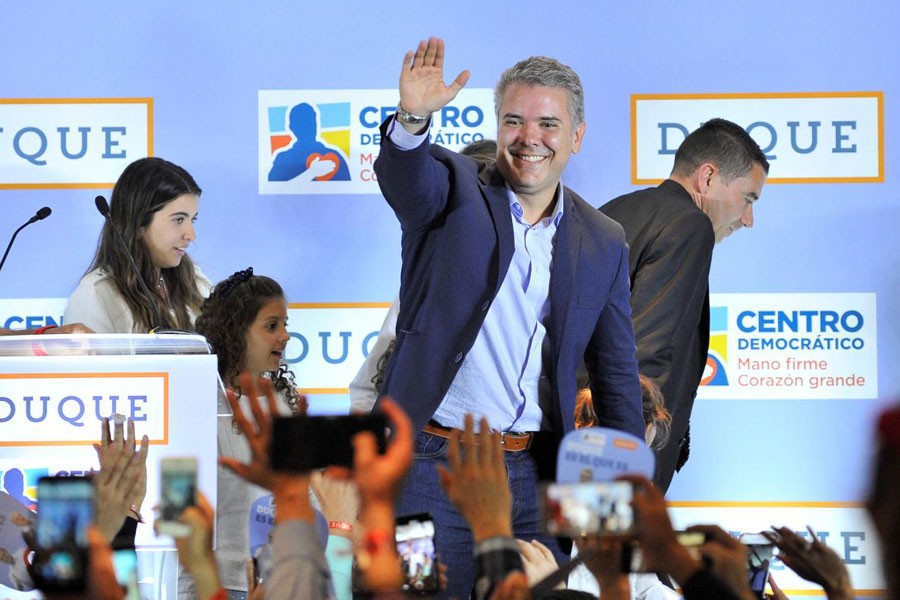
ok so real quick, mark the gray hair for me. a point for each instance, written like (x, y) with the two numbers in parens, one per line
(545, 72)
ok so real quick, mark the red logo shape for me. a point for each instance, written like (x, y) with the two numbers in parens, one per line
(327, 156)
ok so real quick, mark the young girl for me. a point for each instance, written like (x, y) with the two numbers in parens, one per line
(153, 205)
(245, 321)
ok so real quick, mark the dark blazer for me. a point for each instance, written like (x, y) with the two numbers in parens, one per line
(671, 244)
(457, 244)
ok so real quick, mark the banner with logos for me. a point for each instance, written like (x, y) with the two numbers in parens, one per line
(277, 119)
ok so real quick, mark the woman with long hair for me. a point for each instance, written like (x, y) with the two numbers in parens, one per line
(154, 205)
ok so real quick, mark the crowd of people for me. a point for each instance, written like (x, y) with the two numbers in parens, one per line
(523, 313)
(475, 481)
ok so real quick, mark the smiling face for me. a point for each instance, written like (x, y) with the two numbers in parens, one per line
(730, 206)
(171, 231)
(535, 138)
(267, 337)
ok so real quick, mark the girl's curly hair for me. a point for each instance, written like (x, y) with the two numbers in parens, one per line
(226, 316)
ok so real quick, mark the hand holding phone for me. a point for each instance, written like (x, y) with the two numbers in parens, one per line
(418, 559)
(591, 508)
(65, 510)
(301, 444)
(179, 491)
(759, 556)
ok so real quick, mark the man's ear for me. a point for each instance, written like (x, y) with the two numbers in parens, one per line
(579, 135)
(703, 176)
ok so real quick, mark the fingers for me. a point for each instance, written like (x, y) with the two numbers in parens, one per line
(104, 432)
(486, 441)
(434, 49)
(238, 414)
(407, 62)
(814, 540)
(249, 572)
(205, 508)
(302, 406)
(400, 447)
(144, 449)
(419, 59)
(365, 449)
(453, 454)
(252, 389)
(641, 484)
(235, 466)
(119, 434)
(714, 533)
(129, 441)
(544, 551)
(468, 440)
(460, 82)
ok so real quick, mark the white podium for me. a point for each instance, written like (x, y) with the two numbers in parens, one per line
(56, 389)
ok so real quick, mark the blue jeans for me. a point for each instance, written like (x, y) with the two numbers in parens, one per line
(453, 538)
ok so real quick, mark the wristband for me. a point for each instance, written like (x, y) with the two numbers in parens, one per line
(348, 527)
(41, 330)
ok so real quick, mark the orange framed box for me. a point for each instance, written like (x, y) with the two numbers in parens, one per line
(93, 185)
(878, 96)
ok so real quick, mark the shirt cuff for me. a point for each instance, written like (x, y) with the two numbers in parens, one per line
(405, 140)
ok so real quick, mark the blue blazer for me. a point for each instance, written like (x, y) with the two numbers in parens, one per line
(457, 244)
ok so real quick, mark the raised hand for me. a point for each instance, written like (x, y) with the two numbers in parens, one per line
(258, 432)
(422, 88)
(122, 480)
(538, 561)
(476, 480)
(378, 476)
(813, 561)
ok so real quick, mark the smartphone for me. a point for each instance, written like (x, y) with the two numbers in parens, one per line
(759, 557)
(125, 566)
(633, 556)
(418, 558)
(179, 491)
(301, 443)
(66, 508)
(591, 508)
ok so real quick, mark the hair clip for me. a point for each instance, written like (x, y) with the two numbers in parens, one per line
(224, 288)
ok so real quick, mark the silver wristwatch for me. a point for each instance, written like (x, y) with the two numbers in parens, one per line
(404, 116)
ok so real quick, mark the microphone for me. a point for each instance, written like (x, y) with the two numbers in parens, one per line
(102, 205)
(103, 208)
(38, 216)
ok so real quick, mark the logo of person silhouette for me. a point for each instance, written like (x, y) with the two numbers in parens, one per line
(308, 156)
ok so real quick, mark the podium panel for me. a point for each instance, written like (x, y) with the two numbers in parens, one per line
(55, 391)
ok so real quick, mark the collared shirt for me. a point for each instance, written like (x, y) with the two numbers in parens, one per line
(499, 377)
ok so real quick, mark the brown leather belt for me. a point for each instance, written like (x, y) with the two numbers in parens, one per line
(511, 442)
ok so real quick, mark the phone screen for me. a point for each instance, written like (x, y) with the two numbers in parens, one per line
(125, 565)
(591, 508)
(179, 491)
(418, 558)
(301, 444)
(759, 557)
(66, 509)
